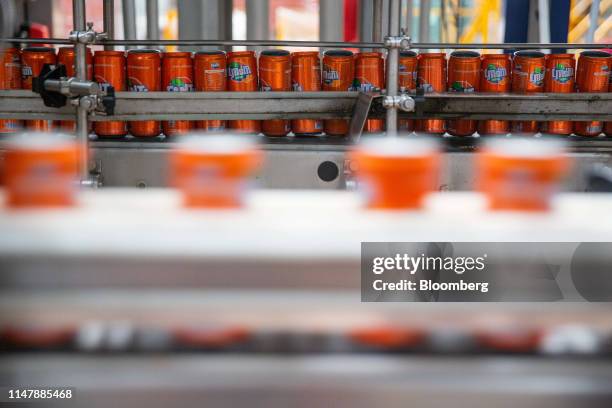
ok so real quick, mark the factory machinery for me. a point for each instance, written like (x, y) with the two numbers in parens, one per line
(133, 300)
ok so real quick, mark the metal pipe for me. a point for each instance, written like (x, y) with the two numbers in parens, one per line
(424, 10)
(129, 22)
(258, 18)
(593, 19)
(377, 21)
(393, 65)
(325, 44)
(544, 22)
(109, 21)
(152, 19)
(408, 21)
(331, 24)
(80, 49)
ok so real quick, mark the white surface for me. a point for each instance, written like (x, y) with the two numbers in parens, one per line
(283, 225)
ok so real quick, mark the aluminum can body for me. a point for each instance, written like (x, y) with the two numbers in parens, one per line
(32, 61)
(275, 75)
(209, 71)
(495, 77)
(370, 77)
(65, 56)
(431, 77)
(337, 75)
(463, 77)
(407, 83)
(177, 76)
(10, 78)
(242, 77)
(528, 74)
(306, 77)
(109, 70)
(560, 74)
(144, 75)
(592, 75)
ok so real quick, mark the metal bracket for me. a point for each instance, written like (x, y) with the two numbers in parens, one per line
(87, 37)
(360, 115)
(402, 42)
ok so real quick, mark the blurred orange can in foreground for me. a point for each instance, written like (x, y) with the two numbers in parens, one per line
(109, 70)
(144, 75)
(370, 77)
(213, 171)
(40, 170)
(560, 69)
(338, 74)
(242, 77)
(463, 77)
(177, 76)
(275, 75)
(593, 75)
(209, 69)
(397, 173)
(306, 77)
(431, 77)
(32, 61)
(528, 73)
(495, 71)
(10, 78)
(520, 174)
(407, 83)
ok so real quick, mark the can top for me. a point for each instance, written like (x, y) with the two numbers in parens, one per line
(497, 56)
(217, 144)
(109, 53)
(39, 141)
(305, 54)
(372, 54)
(398, 147)
(465, 54)
(176, 54)
(595, 54)
(432, 55)
(274, 53)
(39, 49)
(144, 51)
(338, 53)
(529, 54)
(525, 148)
(241, 54)
(407, 53)
(210, 52)
(558, 56)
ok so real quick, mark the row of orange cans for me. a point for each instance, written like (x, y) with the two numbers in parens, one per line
(279, 70)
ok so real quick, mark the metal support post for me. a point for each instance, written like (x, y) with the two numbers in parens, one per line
(258, 17)
(593, 20)
(331, 20)
(109, 21)
(377, 21)
(152, 20)
(129, 20)
(393, 66)
(82, 131)
(544, 22)
(424, 9)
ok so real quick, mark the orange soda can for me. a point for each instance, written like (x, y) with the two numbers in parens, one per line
(40, 170)
(431, 77)
(338, 74)
(177, 76)
(242, 77)
(306, 77)
(209, 69)
(32, 61)
(593, 75)
(528, 72)
(463, 77)
(109, 70)
(370, 77)
(275, 75)
(495, 76)
(65, 56)
(407, 83)
(10, 78)
(144, 75)
(560, 69)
